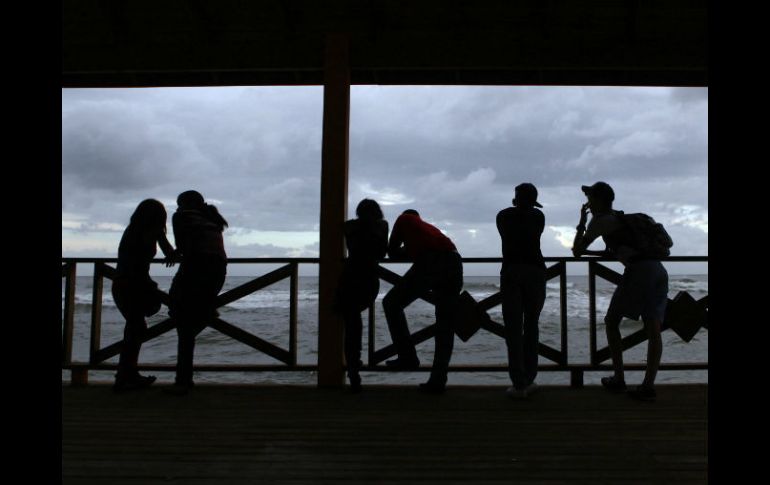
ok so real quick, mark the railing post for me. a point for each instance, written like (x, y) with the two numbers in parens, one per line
(563, 304)
(370, 340)
(592, 309)
(576, 378)
(96, 313)
(68, 321)
(293, 292)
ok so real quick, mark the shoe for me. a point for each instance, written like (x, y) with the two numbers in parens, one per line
(514, 393)
(355, 384)
(531, 389)
(643, 393)
(614, 385)
(403, 364)
(432, 388)
(132, 383)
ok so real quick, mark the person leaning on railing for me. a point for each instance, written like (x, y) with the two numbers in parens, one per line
(367, 241)
(135, 293)
(438, 268)
(642, 291)
(198, 231)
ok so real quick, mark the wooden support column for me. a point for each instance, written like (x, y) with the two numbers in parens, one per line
(334, 197)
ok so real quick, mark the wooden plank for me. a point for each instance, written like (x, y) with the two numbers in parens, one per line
(563, 313)
(69, 272)
(294, 293)
(254, 285)
(114, 349)
(393, 278)
(96, 312)
(416, 338)
(393, 434)
(606, 273)
(592, 311)
(627, 342)
(251, 340)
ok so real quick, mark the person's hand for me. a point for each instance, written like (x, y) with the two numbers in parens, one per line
(584, 213)
(171, 259)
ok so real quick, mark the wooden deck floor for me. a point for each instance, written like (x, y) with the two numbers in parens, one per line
(470, 435)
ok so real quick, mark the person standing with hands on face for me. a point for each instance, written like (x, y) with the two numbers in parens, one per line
(522, 283)
(642, 292)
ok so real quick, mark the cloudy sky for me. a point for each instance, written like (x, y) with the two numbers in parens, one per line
(453, 153)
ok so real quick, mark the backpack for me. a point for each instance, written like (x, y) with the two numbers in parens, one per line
(649, 237)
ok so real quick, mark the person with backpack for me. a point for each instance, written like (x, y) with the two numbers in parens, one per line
(639, 244)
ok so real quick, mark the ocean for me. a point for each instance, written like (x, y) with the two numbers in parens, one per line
(266, 314)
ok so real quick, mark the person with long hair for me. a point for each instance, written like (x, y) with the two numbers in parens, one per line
(135, 293)
(198, 229)
(367, 241)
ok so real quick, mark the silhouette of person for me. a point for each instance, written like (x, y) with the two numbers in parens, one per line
(367, 241)
(522, 282)
(198, 228)
(642, 291)
(134, 292)
(437, 266)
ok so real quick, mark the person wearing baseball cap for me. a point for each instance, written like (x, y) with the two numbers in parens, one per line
(522, 283)
(641, 293)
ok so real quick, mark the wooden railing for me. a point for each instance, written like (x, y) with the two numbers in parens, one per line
(288, 357)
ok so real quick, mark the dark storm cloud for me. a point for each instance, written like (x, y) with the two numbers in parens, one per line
(454, 153)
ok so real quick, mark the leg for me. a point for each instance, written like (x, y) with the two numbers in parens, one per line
(653, 320)
(612, 326)
(444, 339)
(534, 299)
(654, 351)
(193, 306)
(447, 286)
(136, 326)
(512, 318)
(185, 351)
(398, 298)
(353, 329)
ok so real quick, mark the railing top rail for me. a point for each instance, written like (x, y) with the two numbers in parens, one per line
(550, 259)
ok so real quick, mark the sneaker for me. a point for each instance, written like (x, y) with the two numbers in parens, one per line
(531, 389)
(403, 364)
(643, 393)
(132, 383)
(514, 393)
(432, 388)
(355, 384)
(614, 385)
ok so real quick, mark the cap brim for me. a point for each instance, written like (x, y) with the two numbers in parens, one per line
(586, 189)
(537, 204)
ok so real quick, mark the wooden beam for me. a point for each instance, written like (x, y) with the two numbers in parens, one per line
(334, 196)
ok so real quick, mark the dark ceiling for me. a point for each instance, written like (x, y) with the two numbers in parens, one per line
(136, 43)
